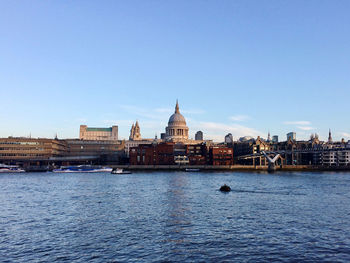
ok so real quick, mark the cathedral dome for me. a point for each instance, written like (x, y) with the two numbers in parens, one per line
(177, 129)
(177, 119)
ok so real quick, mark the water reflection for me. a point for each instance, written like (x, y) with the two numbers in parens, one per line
(177, 217)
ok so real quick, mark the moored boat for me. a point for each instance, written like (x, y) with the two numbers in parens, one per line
(120, 171)
(82, 169)
(192, 170)
(10, 169)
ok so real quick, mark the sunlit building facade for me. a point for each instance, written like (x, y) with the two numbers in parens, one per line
(96, 134)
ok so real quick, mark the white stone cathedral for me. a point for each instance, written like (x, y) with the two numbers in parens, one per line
(177, 129)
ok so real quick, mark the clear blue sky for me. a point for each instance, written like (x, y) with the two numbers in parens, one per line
(243, 67)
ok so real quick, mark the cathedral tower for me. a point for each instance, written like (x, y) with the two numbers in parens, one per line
(135, 134)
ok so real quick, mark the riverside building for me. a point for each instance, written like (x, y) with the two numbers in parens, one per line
(22, 149)
(103, 151)
(250, 146)
(171, 153)
(42, 151)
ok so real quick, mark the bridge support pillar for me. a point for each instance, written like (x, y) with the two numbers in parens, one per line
(271, 167)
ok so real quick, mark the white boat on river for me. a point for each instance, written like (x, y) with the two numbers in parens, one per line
(120, 171)
(10, 169)
(82, 169)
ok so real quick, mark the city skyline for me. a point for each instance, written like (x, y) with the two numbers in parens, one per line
(244, 68)
(218, 138)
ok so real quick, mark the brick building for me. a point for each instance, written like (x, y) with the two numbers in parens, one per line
(171, 153)
(220, 155)
(197, 154)
(152, 154)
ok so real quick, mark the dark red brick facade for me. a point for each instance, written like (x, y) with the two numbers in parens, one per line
(220, 155)
(197, 154)
(164, 153)
(150, 154)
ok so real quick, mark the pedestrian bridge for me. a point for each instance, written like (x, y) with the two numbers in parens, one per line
(271, 158)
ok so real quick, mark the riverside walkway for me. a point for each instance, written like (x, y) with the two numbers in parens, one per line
(230, 167)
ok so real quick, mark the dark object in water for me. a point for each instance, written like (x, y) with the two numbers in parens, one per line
(225, 188)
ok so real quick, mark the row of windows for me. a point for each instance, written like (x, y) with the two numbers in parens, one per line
(194, 147)
(195, 151)
(222, 156)
(224, 151)
(21, 149)
(20, 143)
(21, 154)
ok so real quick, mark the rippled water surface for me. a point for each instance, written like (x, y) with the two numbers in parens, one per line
(175, 216)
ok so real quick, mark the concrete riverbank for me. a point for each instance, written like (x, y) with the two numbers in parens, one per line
(230, 167)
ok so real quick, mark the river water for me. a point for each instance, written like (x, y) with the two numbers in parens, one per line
(175, 216)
